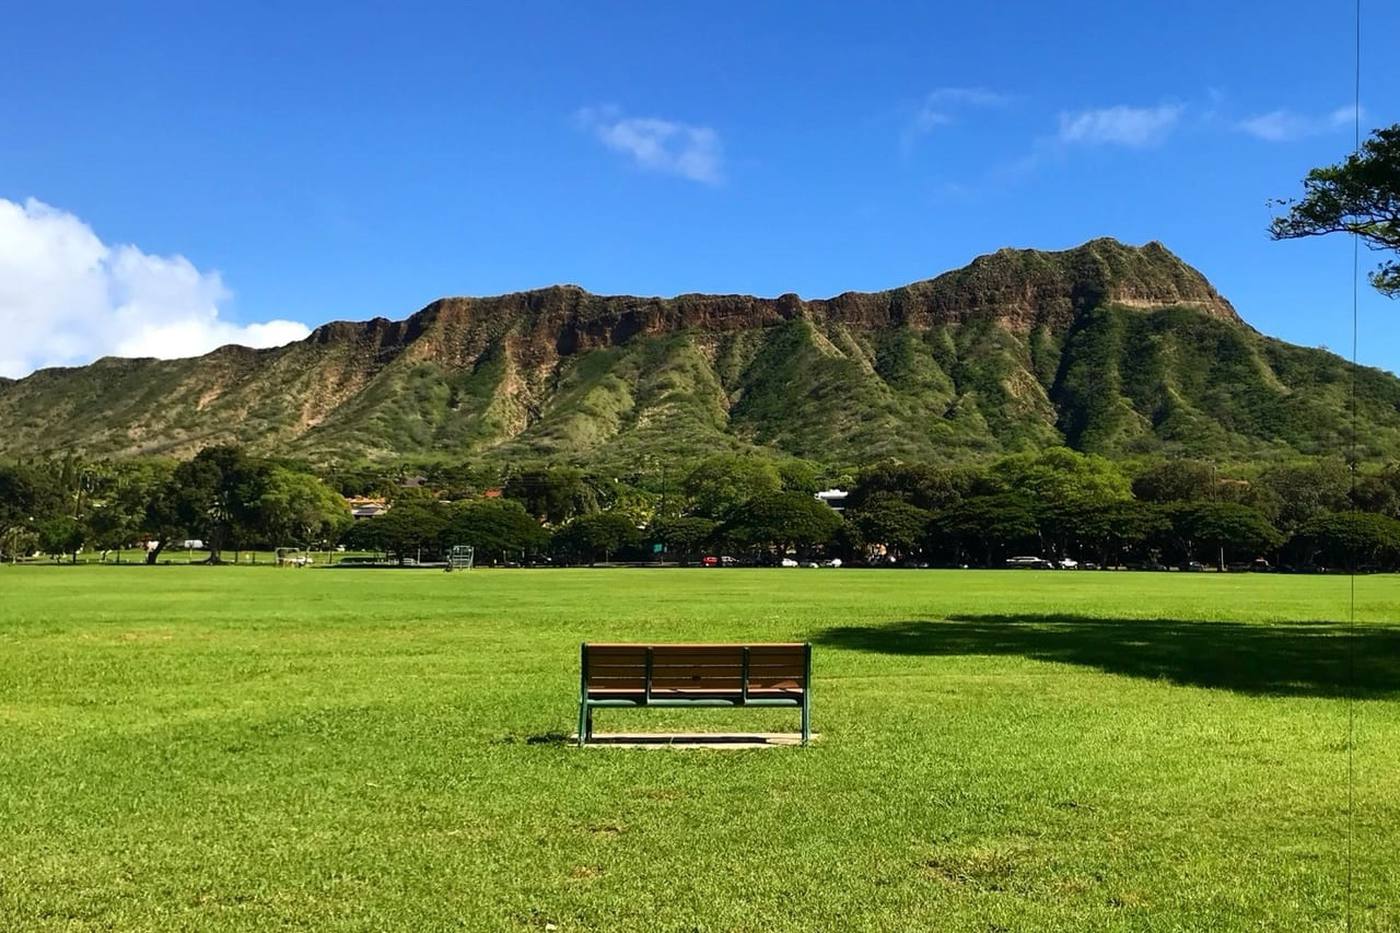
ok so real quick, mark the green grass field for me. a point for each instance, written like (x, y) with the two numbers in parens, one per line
(211, 748)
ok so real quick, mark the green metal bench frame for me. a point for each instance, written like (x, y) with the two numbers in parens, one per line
(802, 700)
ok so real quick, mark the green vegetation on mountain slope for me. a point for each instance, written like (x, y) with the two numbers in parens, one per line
(1107, 348)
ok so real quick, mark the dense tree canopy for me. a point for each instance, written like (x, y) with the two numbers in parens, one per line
(922, 485)
(781, 520)
(552, 494)
(1350, 540)
(886, 521)
(600, 536)
(499, 529)
(683, 536)
(1214, 532)
(719, 484)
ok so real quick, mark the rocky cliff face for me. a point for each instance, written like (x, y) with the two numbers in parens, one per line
(1109, 347)
(1018, 289)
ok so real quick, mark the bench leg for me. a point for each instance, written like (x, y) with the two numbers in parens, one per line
(584, 715)
(806, 721)
(588, 723)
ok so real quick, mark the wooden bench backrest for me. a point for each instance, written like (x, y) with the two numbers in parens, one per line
(697, 667)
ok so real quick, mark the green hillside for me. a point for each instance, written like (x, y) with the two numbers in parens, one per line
(1107, 348)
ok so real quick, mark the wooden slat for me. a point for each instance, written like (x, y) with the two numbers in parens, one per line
(775, 656)
(682, 644)
(598, 653)
(669, 683)
(684, 669)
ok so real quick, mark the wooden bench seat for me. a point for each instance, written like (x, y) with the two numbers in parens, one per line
(674, 675)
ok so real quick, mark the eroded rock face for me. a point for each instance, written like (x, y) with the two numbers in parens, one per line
(1019, 289)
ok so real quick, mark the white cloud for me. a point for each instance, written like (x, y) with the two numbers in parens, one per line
(1136, 127)
(1284, 125)
(940, 105)
(67, 298)
(667, 146)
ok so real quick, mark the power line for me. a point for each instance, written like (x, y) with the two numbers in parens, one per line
(1355, 466)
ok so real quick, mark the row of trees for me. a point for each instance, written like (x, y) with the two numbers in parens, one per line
(221, 496)
(1056, 503)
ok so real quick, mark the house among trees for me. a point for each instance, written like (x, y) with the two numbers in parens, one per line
(365, 506)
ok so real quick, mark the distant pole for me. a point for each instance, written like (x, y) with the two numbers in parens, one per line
(663, 488)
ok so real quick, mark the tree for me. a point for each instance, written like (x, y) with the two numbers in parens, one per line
(988, 524)
(411, 526)
(552, 494)
(494, 527)
(1304, 491)
(1359, 196)
(1107, 529)
(28, 496)
(163, 519)
(214, 495)
(600, 534)
(1177, 481)
(119, 503)
(1379, 493)
(796, 475)
(1214, 530)
(1059, 475)
(718, 484)
(782, 520)
(61, 535)
(298, 508)
(886, 520)
(1351, 539)
(921, 485)
(683, 535)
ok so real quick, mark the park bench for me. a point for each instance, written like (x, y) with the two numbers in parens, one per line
(636, 675)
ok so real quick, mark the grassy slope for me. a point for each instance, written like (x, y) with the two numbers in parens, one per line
(1119, 382)
(241, 748)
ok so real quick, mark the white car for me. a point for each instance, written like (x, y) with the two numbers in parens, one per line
(834, 562)
(1067, 563)
(788, 562)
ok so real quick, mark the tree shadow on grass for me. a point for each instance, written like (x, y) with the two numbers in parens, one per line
(1307, 659)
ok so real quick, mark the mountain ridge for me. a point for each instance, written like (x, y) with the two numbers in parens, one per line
(1110, 348)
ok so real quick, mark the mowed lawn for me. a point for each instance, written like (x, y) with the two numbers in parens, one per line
(241, 748)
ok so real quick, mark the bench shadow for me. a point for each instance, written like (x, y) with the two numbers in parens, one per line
(549, 738)
(1306, 659)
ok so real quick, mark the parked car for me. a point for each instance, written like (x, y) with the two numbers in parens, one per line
(1028, 562)
(1067, 563)
(834, 562)
(788, 562)
(1193, 566)
(709, 560)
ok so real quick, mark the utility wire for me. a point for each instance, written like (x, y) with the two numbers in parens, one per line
(1355, 466)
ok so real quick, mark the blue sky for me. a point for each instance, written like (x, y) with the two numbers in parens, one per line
(309, 162)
